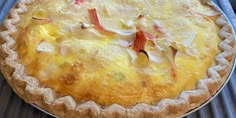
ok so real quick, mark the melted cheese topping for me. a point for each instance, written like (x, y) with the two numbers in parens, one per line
(90, 64)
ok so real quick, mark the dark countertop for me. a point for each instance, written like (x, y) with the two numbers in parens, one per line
(223, 106)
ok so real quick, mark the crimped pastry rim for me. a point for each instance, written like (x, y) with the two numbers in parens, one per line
(28, 87)
(227, 78)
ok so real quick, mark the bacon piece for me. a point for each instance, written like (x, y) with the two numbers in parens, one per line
(93, 14)
(147, 34)
(140, 41)
(78, 1)
(42, 19)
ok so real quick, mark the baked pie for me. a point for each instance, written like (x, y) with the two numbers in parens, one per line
(116, 58)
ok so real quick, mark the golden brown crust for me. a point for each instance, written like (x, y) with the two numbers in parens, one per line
(29, 89)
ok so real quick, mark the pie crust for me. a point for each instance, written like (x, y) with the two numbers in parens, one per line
(28, 88)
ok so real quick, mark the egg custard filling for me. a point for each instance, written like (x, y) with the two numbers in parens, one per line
(118, 51)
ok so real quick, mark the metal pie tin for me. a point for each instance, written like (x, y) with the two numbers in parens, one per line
(203, 104)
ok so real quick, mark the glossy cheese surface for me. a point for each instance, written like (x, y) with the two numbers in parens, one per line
(62, 46)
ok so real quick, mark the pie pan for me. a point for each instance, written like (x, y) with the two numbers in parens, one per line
(215, 91)
(203, 104)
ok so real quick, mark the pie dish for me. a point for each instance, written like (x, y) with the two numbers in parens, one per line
(90, 58)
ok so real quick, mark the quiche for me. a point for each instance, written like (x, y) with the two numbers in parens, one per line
(116, 58)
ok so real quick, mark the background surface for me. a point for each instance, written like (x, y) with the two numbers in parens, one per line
(223, 106)
(233, 2)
